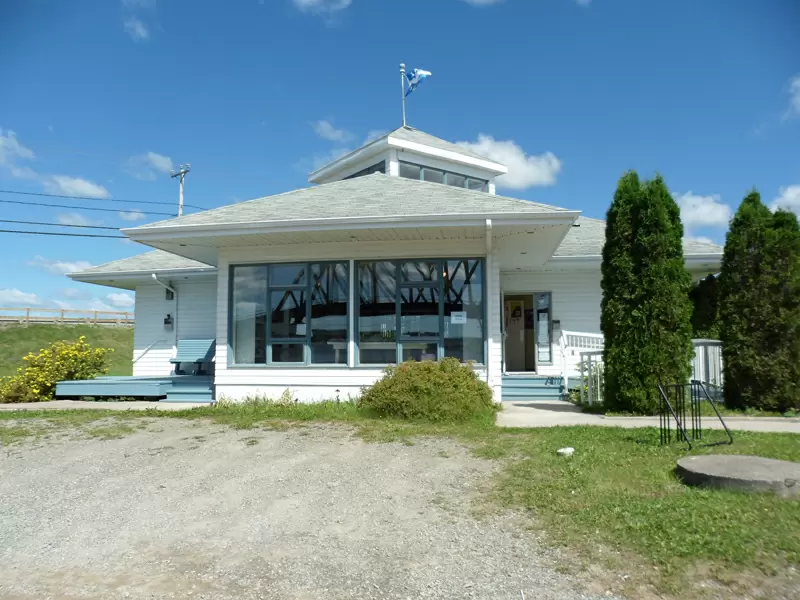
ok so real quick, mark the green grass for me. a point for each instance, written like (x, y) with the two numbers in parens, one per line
(616, 503)
(18, 341)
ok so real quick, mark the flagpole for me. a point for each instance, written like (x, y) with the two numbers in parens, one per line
(403, 90)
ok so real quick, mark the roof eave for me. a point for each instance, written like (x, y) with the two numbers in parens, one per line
(105, 275)
(324, 173)
(450, 155)
(563, 217)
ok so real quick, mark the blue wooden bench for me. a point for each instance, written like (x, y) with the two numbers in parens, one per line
(195, 352)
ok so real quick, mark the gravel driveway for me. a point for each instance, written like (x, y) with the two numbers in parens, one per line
(190, 509)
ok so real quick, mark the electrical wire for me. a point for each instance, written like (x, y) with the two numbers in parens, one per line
(144, 212)
(84, 235)
(58, 224)
(95, 199)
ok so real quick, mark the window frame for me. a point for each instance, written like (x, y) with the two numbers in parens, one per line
(305, 341)
(467, 178)
(551, 362)
(439, 284)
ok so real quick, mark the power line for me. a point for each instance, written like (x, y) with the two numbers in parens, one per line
(84, 235)
(58, 224)
(144, 212)
(95, 199)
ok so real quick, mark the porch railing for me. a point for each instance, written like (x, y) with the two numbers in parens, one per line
(582, 359)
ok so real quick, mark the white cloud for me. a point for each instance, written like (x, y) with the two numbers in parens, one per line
(147, 166)
(121, 300)
(74, 186)
(794, 98)
(135, 28)
(23, 172)
(789, 199)
(133, 215)
(74, 293)
(374, 134)
(100, 305)
(63, 305)
(14, 298)
(322, 7)
(327, 131)
(58, 267)
(524, 170)
(320, 160)
(77, 219)
(11, 149)
(703, 211)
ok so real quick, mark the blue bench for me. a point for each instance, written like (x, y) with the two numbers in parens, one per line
(195, 352)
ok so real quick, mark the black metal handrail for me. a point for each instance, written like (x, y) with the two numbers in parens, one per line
(678, 411)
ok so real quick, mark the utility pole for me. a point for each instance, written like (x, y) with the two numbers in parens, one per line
(184, 169)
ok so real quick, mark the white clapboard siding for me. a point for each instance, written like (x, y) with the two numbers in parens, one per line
(153, 345)
(576, 297)
(197, 309)
(308, 383)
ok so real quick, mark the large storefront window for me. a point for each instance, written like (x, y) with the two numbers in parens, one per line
(308, 314)
(421, 310)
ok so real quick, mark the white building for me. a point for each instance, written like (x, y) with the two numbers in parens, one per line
(402, 250)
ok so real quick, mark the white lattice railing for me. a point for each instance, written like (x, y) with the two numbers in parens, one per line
(571, 344)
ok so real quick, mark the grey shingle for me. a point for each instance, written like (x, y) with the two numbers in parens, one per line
(157, 260)
(374, 195)
(410, 134)
(589, 237)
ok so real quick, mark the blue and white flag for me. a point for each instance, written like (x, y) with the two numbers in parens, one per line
(415, 77)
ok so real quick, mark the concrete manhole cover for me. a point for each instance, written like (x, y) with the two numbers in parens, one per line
(744, 473)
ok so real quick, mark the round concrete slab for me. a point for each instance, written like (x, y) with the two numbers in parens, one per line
(744, 473)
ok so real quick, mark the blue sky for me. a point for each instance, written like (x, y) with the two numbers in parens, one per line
(101, 98)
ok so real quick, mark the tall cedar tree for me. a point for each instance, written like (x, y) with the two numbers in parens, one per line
(759, 312)
(646, 310)
(705, 308)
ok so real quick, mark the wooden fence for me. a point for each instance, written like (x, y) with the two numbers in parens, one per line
(66, 316)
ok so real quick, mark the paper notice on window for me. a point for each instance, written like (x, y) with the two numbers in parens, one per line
(458, 317)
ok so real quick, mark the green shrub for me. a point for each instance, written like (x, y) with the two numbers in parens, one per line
(444, 391)
(645, 310)
(62, 361)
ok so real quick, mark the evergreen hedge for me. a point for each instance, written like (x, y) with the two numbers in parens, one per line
(759, 288)
(646, 310)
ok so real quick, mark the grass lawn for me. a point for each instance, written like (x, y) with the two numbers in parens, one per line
(18, 341)
(615, 504)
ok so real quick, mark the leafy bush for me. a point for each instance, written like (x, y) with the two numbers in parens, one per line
(62, 361)
(444, 391)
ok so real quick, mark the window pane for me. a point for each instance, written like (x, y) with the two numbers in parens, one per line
(287, 353)
(419, 351)
(463, 310)
(377, 321)
(409, 171)
(288, 309)
(543, 328)
(280, 275)
(477, 184)
(419, 311)
(419, 270)
(249, 315)
(456, 180)
(433, 175)
(329, 289)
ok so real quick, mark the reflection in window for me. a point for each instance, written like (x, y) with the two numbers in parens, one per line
(307, 304)
(329, 291)
(477, 184)
(377, 315)
(433, 175)
(544, 328)
(419, 311)
(434, 309)
(463, 310)
(456, 180)
(249, 315)
(409, 171)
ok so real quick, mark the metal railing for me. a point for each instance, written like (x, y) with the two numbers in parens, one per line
(64, 315)
(686, 410)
